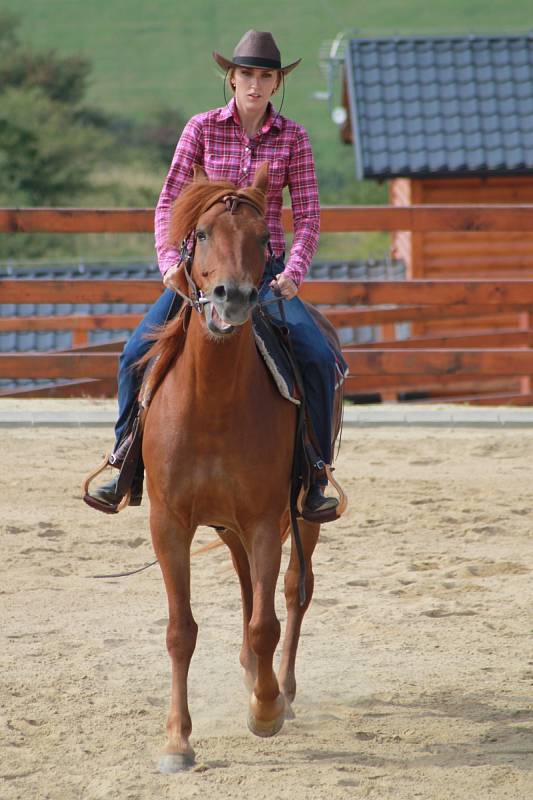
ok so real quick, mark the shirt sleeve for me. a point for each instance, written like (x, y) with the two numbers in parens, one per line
(303, 189)
(189, 151)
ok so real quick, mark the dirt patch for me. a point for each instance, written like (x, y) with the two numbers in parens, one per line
(415, 670)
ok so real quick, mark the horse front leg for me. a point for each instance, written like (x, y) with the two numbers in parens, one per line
(267, 706)
(295, 612)
(241, 563)
(172, 547)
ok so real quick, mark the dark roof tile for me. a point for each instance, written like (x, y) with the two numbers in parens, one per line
(474, 159)
(414, 125)
(476, 91)
(495, 158)
(515, 156)
(452, 124)
(437, 160)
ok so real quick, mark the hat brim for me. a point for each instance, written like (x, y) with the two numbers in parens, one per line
(226, 64)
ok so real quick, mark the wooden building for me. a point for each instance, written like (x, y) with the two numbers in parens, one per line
(447, 120)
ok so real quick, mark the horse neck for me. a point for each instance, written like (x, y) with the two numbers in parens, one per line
(217, 372)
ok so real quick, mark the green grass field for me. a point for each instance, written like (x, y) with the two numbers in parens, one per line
(148, 53)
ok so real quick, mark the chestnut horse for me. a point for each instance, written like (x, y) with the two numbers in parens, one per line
(218, 448)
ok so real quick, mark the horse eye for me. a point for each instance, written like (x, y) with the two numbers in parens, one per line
(201, 236)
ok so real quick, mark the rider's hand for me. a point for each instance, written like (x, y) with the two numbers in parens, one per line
(285, 286)
(169, 274)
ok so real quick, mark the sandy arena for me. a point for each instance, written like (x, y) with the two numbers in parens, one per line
(416, 666)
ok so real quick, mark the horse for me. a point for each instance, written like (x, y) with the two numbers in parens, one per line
(218, 448)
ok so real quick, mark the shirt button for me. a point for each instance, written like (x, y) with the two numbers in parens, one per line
(245, 170)
(247, 149)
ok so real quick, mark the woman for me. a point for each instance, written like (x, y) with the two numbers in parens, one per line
(230, 143)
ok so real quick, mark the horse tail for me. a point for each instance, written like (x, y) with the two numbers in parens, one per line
(206, 548)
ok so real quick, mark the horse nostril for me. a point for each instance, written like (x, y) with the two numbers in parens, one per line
(220, 292)
(254, 295)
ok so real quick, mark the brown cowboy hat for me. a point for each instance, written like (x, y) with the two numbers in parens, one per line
(256, 49)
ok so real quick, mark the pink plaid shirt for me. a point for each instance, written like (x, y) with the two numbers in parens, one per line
(216, 141)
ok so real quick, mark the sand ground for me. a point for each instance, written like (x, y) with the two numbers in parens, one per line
(416, 661)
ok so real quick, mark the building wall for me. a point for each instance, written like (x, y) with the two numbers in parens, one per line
(470, 254)
(464, 255)
(490, 255)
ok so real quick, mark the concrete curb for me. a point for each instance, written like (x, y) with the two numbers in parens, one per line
(450, 416)
(73, 415)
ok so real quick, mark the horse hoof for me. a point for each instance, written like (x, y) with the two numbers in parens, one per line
(169, 763)
(263, 727)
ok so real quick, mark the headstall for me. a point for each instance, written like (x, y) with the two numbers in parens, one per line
(196, 298)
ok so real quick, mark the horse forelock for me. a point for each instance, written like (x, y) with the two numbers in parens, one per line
(198, 197)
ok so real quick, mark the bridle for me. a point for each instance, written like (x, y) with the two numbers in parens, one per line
(196, 298)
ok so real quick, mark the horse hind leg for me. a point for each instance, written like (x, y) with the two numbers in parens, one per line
(241, 563)
(295, 612)
(173, 553)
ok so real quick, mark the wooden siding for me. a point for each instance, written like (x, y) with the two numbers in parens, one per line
(459, 255)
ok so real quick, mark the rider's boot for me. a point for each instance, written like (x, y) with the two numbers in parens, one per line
(107, 498)
(316, 500)
(127, 459)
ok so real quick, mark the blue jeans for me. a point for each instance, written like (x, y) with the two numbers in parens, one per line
(314, 356)
(311, 349)
(129, 376)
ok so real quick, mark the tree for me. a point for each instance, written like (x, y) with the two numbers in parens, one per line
(45, 156)
(46, 152)
(54, 149)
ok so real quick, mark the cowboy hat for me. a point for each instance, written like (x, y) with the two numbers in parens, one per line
(255, 49)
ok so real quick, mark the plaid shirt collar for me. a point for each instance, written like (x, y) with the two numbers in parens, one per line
(229, 111)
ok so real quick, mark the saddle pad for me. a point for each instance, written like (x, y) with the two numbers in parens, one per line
(271, 349)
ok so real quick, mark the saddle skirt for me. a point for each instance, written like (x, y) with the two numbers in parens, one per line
(269, 336)
(268, 340)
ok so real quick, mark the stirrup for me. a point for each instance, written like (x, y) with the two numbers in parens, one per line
(330, 514)
(93, 502)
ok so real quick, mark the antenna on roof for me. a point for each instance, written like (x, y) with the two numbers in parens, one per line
(330, 59)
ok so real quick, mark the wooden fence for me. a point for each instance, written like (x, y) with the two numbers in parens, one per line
(460, 366)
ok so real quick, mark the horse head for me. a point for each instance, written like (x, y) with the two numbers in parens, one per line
(225, 248)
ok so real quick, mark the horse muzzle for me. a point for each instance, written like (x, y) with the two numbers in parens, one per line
(230, 305)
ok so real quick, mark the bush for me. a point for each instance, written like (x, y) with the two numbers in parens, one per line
(45, 156)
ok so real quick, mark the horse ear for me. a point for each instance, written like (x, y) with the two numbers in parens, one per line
(260, 180)
(198, 173)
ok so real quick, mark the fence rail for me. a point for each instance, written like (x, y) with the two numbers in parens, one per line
(501, 293)
(334, 219)
(465, 365)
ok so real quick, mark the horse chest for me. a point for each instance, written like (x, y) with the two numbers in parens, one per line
(226, 451)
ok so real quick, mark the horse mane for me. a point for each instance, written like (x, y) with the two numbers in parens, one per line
(168, 342)
(197, 197)
(194, 200)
